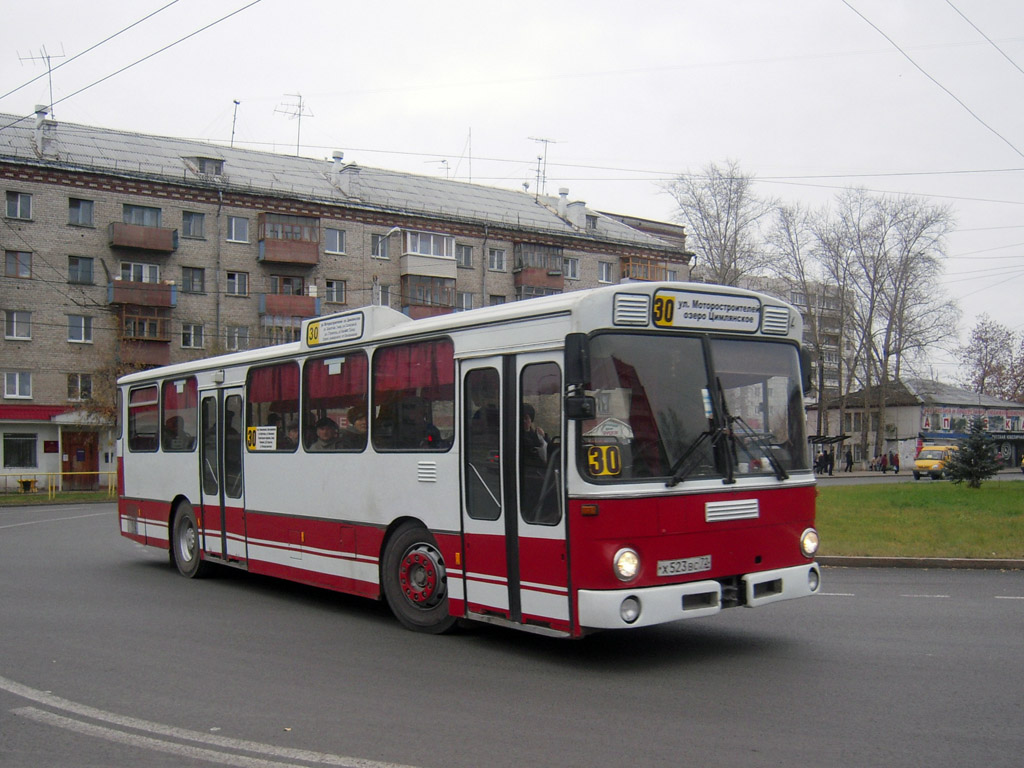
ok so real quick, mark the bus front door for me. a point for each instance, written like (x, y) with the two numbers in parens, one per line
(220, 456)
(515, 561)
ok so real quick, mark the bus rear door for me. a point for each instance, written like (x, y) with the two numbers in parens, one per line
(514, 560)
(220, 455)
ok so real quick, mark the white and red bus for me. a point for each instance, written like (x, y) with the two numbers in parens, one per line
(664, 474)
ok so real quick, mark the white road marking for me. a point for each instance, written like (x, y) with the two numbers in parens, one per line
(53, 520)
(931, 597)
(1009, 597)
(224, 742)
(837, 594)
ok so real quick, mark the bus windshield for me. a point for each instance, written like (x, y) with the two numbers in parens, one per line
(667, 409)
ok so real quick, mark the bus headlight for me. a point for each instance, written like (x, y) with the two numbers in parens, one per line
(626, 563)
(809, 542)
(629, 611)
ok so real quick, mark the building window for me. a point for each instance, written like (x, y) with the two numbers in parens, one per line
(419, 290)
(429, 244)
(280, 330)
(17, 324)
(285, 285)
(18, 264)
(142, 215)
(495, 300)
(496, 259)
(193, 224)
(18, 384)
(19, 205)
(672, 275)
(464, 255)
(604, 272)
(209, 166)
(379, 246)
(463, 301)
(238, 284)
(571, 268)
(80, 212)
(146, 323)
(531, 255)
(533, 292)
(80, 329)
(591, 221)
(20, 451)
(193, 280)
(137, 272)
(334, 240)
(191, 336)
(278, 226)
(238, 229)
(236, 337)
(385, 295)
(335, 291)
(79, 386)
(80, 270)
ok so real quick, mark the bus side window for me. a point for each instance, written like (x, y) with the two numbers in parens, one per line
(334, 388)
(414, 396)
(540, 461)
(180, 408)
(143, 418)
(272, 401)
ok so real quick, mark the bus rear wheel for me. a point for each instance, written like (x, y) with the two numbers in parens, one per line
(185, 550)
(414, 580)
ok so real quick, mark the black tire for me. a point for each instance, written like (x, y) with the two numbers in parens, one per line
(185, 550)
(414, 580)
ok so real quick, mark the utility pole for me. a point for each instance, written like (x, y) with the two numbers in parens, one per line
(295, 111)
(44, 56)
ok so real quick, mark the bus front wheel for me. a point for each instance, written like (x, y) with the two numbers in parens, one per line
(414, 580)
(185, 543)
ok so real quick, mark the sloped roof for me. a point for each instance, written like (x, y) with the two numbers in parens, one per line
(123, 153)
(937, 393)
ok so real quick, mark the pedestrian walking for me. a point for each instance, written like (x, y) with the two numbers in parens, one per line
(849, 460)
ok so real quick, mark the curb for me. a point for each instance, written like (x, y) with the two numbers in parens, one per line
(922, 562)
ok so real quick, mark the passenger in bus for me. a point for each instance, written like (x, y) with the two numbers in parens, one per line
(326, 435)
(354, 435)
(175, 436)
(534, 441)
(290, 441)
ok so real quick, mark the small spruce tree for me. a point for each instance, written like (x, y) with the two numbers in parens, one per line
(976, 459)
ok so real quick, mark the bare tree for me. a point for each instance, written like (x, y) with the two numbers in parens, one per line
(991, 360)
(722, 216)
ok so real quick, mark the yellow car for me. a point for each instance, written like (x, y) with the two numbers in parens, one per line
(931, 461)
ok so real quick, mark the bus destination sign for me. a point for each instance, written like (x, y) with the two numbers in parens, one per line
(706, 311)
(331, 330)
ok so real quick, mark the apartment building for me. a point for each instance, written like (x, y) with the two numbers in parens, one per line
(124, 250)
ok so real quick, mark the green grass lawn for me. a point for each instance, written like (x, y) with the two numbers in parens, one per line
(933, 519)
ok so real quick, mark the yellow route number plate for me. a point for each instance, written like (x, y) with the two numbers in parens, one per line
(604, 460)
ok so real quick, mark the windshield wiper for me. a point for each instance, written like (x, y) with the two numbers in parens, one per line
(761, 441)
(680, 470)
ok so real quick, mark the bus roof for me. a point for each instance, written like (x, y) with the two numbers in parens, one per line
(630, 308)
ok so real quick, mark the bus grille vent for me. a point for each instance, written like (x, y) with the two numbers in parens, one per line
(718, 511)
(631, 309)
(775, 321)
(426, 471)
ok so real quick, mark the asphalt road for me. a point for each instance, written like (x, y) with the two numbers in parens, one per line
(108, 658)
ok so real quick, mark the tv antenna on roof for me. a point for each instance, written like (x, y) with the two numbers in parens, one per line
(295, 111)
(542, 164)
(44, 56)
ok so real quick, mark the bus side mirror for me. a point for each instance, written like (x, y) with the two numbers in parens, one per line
(580, 407)
(806, 370)
(577, 360)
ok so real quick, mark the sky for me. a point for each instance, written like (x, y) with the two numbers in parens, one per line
(902, 97)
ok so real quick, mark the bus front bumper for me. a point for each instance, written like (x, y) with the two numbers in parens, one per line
(646, 606)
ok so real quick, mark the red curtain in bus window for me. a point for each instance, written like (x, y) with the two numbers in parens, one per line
(181, 409)
(336, 376)
(415, 366)
(274, 383)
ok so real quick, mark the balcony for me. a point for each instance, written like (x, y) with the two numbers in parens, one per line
(142, 294)
(289, 252)
(139, 352)
(140, 238)
(634, 268)
(539, 277)
(284, 305)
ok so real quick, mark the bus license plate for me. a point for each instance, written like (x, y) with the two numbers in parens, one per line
(685, 565)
